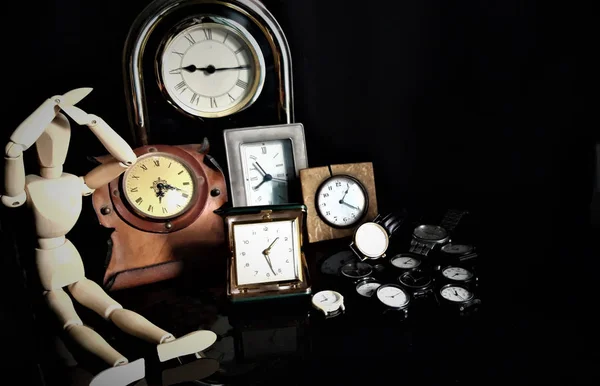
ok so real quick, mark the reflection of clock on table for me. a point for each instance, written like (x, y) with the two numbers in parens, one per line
(338, 199)
(193, 68)
(161, 210)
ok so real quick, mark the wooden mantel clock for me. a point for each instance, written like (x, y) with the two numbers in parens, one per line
(162, 212)
(196, 67)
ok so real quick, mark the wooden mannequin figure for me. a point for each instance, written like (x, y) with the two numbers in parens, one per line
(55, 199)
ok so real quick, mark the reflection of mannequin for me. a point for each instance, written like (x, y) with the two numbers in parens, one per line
(55, 199)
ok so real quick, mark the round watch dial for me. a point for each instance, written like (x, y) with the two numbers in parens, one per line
(457, 273)
(371, 239)
(456, 294)
(457, 249)
(209, 69)
(159, 186)
(327, 299)
(367, 288)
(430, 232)
(415, 279)
(356, 270)
(341, 201)
(392, 296)
(405, 261)
(335, 262)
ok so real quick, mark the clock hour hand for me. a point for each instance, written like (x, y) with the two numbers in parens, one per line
(210, 69)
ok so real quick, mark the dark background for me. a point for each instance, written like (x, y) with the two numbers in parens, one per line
(478, 104)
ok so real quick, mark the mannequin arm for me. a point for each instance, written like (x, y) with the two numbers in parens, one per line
(14, 176)
(112, 141)
(102, 175)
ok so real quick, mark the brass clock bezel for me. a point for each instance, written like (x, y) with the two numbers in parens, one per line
(267, 214)
(196, 205)
(242, 34)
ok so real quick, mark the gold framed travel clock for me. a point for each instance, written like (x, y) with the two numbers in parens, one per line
(266, 258)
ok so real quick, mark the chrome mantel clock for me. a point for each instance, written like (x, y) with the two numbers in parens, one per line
(196, 67)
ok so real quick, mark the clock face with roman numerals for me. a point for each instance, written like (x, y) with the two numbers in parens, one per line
(159, 186)
(211, 70)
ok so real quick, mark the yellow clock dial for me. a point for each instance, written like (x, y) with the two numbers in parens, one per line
(159, 186)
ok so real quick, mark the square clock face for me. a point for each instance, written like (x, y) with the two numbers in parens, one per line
(264, 163)
(266, 252)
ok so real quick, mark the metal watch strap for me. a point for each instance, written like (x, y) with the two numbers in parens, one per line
(419, 247)
(391, 222)
(452, 219)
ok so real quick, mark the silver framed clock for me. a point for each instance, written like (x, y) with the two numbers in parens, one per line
(264, 163)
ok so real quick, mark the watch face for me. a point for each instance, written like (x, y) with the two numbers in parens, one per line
(356, 270)
(430, 233)
(267, 168)
(392, 296)
(326, 299)
(415, 279)
(456, 294)
(457, 249)
(209, 69)
(159, 186)
(405, 261)
(367, 288)
(266, 252)
(457, 273)
(341, 201)
(371, 239)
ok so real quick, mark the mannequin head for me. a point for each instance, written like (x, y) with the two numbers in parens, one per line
(52, 146)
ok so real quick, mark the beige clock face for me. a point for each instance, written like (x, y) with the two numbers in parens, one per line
(212, 70)
(159, 186)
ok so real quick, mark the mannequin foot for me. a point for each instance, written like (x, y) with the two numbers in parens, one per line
(189, 372)
(121, 375)
(188, 344)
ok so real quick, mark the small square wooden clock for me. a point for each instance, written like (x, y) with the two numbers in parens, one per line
(338, 199)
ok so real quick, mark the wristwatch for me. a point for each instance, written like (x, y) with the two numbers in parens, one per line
(458, 299)
(331, 303)
(418, 283)
(371, 239)
(426, 237)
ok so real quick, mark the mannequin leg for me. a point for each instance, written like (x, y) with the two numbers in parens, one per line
(61, 304)
(92, 296)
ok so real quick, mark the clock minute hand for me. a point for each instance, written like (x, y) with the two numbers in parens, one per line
(351, 206)
(229, 68)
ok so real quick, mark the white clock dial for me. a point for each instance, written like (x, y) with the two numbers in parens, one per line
(371, 239)
(267, 168)
(456, 294)
(266, 252)
(212, 70)
(457, 273)
(392, 296)
(341, 201)
(405, 262)
(326, 298)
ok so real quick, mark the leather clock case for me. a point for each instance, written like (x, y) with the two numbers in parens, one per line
(146, 251)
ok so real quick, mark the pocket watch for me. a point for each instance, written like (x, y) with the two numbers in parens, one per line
(266, 260)
(264, 162)
(329, 302)
(205, 64)
(333, 264)
(341, 201)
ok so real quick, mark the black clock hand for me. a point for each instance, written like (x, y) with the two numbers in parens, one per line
(210, 69)
(344, 196)
(260, 169)
(351, 206)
